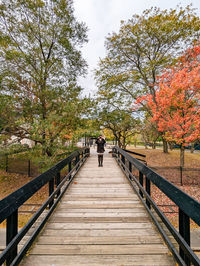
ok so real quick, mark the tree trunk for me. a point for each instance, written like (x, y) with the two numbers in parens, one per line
(182, 158)
(135, 143)
(49, 152)
(154, 145)
(43, 143)
(145, 145)
(171, 144)
(165, 146)
(192, 148)
(124, 142)
(119, 142)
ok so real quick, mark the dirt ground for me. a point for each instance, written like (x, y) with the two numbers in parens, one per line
(10, 182)
(158, 158)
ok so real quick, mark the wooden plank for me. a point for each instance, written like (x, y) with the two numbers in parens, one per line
(77, 226)
(102, 210)
(102, 195)
(68, 197)
(103, 219)
(88, 185)
(101, 201)
(99, 249)
(101, 214)
(96, 206)
(56, 240)
(100, 180)
(99, 260)
(99, 190)
(60, 229)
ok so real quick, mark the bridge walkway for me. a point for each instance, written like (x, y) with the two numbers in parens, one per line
(100, 221)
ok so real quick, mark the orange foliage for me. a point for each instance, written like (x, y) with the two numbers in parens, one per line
(175, 106)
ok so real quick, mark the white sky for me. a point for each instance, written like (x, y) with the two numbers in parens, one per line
(103, 17)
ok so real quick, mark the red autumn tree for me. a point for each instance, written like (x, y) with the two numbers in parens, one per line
(176, 106)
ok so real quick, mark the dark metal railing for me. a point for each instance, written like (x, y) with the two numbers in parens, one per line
(138, 154)
(188, 207)
(9, 206)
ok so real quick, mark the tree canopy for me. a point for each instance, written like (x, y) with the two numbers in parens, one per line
(40, 63)
(176, 107)
(144, 46)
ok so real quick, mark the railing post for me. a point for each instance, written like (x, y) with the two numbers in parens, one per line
(141, 183)
(58, 182)
(114, 152)
(69, 168)
(51, 190)
(148, 190)
(77, 160)
(184, 230)
(130, 169)
(11, 232)
(123, 161)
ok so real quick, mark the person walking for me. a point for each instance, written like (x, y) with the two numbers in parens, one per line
(100, 149)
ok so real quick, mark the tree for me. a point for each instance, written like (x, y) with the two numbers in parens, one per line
(121, 123)
(8, 116)
(176, 108)
(144, 46)
(40, 63)
(149, 133)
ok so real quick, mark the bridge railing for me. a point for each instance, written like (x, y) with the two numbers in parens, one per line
(9, 205)
(138, 154)
(188, 207)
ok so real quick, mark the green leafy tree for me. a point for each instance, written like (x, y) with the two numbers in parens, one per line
(149, 133)
(8, 116)
(122, 124)
(144, 46)
(40, 62)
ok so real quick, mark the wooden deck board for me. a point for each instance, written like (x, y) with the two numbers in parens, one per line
(99, 260)
(100, 221)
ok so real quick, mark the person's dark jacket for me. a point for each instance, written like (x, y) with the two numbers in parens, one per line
(100, 145)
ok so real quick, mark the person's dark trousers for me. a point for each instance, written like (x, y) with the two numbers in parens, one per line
(100, 160)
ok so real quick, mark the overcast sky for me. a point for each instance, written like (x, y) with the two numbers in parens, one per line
(103, 17)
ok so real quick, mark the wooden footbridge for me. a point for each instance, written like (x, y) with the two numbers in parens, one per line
(99, 216)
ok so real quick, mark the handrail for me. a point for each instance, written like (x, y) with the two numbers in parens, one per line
(136, 153)
(10, 204)
(13, 201)
(188, 207)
